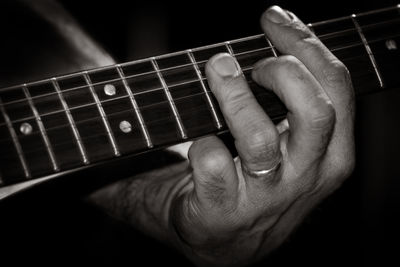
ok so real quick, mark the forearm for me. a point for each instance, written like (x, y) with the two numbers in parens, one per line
(144, 200)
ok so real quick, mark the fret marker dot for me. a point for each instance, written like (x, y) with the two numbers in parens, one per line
(125, 126)
(25, 128)
(109, 89)
(391, 44)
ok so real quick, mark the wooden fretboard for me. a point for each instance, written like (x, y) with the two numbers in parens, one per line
(66, 122)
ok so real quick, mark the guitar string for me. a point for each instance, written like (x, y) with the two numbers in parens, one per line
(81, 122)
(142, 108)
(151, 105)
(323, 37)
(197, 80)
(243, 70)
(88, 137)
(159, 89)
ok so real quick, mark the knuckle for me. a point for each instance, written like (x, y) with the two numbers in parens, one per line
(324, 116)
(262, 145)
(262, 138)
(287, 64)
(305, 40)
(336, 74)
(234, 99)
(213, 161)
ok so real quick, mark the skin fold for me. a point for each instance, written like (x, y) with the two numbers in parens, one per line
(212, 208)
(209, 205)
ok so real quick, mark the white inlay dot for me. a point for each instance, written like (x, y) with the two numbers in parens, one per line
(125, 126)
(25, 128)
(109, 89)
(391, 44)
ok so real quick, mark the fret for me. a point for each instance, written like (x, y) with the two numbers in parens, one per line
(248, 51)
(339, 34)
(382, 32)
(209, 100)
(12, 95)
(62, 138)
(44, 98)
(120, 112)
(71, 121)
(55, 122)
(16, 142)
(174, 61)
(251, 50)
(19, 111)
(203, 54)
(229, 48)
(129, 108)
(108, 84)
(368, 49)
(189, 94)
(103, 115)
(139, 116)
(246, 45)
(272, 47)
(178, 75)
(10, 168)
(152, 101)
(342, 38)
(381, 16)
(311, 27)
(87, 117)
(42, 130)
(170, 100)
(27, 131)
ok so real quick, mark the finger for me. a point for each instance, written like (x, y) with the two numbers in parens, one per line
(256, 137)
(292, 37)
(214, 173)
(310, 112)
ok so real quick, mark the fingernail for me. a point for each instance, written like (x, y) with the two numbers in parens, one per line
(277, 15)
(225, 65)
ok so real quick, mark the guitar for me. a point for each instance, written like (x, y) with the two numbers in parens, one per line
(101, 118)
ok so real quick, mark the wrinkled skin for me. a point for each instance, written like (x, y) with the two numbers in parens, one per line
(212, 207)
(217, 212)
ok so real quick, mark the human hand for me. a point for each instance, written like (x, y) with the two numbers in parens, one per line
(234, 212)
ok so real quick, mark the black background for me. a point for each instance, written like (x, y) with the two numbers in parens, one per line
(356, 225)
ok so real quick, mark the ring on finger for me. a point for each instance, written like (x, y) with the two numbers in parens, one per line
(261, 173)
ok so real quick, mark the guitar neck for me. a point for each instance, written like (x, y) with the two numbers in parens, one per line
(62, 123)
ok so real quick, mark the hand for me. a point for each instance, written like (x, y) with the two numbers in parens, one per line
(230, 215)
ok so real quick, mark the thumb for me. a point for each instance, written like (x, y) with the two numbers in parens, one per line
(212, 202)
(214, 174)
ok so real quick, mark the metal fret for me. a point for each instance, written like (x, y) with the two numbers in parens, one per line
(17, 145)
(209, 100)
(42, 129)
(310, 26)
(103, 114)
(369, 51)
(71, 121)
(272, 47)
(135, 107)
(229, 48)
(170, 99)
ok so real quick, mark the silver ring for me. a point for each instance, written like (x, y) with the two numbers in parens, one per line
(261, 173)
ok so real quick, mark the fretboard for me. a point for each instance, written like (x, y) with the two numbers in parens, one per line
(62, 123)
